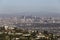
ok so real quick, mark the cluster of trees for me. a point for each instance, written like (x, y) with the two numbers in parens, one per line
(6, 36)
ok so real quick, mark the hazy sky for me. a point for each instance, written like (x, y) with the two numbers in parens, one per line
(17, 6)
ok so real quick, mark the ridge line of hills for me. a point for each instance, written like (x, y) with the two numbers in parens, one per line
(41, 14)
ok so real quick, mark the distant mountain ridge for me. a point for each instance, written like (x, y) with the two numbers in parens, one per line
(41, 14)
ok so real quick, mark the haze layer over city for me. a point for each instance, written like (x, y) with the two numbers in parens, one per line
(30, 7)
